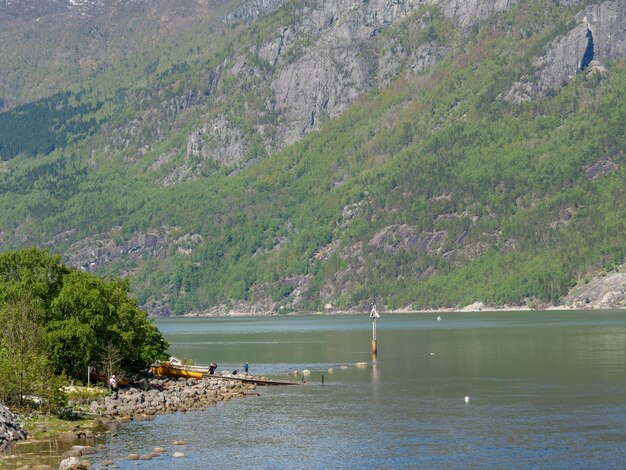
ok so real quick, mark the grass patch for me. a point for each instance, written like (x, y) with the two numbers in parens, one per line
(50, 427)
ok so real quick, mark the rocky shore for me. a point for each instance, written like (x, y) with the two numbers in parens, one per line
(10, 429)
(139, 401)
(163, 395)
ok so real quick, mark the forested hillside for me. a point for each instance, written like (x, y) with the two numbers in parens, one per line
(277, 156)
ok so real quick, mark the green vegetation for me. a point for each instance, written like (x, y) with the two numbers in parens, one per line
(41, 127)
(46, 427)
(56, 321)
(501, 201)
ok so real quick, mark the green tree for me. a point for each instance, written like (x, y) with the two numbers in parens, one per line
(24, 365)
(75, 315)
(31, 273)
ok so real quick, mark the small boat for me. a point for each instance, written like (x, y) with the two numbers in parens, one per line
(175, 362)
(167, 369)
(174, 368)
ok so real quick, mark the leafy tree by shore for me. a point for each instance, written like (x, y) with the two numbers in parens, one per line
(24, 366)
(57, 320)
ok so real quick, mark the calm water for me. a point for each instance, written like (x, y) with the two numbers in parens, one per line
(547, 390)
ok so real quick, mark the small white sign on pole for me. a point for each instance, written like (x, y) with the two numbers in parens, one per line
(374, 313)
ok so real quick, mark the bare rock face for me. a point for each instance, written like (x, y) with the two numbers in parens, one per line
(251, 10)
(601, 167)
(345, 60)
(219, 140)
(598, 37)
(309, 88)
(604, 292)
(94, 252)
(470, 13)
(315, 66)
(404, 237)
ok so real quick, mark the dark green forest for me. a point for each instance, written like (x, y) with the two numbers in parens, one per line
(38, 128)
(427, 192)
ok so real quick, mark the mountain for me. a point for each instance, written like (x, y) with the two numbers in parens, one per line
(276, 156)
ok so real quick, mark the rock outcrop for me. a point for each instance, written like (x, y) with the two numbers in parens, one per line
(94, 252)
(598, 37)
(471, 13)
(395, 238)
(252, 10)
(10, 428)
(219, 140)
(603, 292)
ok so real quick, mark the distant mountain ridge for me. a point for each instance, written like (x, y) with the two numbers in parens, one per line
(271, 156)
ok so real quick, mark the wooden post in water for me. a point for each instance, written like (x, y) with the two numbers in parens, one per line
(374, 315)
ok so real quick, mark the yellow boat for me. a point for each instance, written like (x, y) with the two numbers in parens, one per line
(169, 370)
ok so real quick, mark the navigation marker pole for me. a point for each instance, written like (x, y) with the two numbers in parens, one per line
(374, 315)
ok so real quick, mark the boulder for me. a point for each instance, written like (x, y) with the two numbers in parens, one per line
(71, 463)
(10, 428)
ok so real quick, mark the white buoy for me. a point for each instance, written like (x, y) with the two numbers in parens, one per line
(432, 354)
(466, 399)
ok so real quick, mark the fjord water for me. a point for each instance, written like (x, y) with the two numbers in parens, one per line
(546, 390)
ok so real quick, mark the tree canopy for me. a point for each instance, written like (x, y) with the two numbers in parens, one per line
(60, 320)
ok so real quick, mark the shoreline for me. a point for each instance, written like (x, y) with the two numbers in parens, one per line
(607, 291)
(468, 309)
(135, 402)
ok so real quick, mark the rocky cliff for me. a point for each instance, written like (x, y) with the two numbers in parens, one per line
(333, 52)
(328, 55)
(596, 37)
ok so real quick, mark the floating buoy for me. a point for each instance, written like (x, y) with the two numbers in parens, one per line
(432, 354)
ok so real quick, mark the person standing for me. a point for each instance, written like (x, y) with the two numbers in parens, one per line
(245, 368)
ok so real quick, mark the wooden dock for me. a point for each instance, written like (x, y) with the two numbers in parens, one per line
(255, 380)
